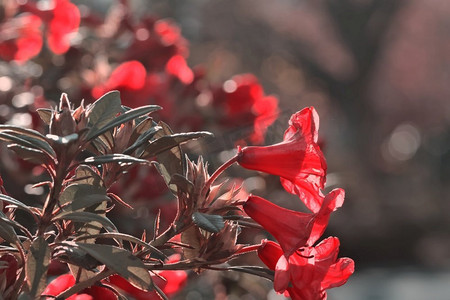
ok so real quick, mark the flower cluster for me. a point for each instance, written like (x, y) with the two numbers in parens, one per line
(22, 30)
(302, 269)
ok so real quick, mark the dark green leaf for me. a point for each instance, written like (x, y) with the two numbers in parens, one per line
(37, 266)
(86, 217)
(6, 230)
(104, 110)
(23, 141)
(17, 203)
(169, 141)
(211, 223)
(34, 137)
(182, 183)
(87, 175)
(142, 139)
(29, 154)
(125, 237)
(117, 158)
(123, 118)
(121, 261)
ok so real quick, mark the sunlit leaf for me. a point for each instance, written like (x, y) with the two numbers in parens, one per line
(123, 118)
(125, 237)
(30, 135)
(17, 203)
(104, 110)
(142, 139)
(117, 158)
(63, 140)
(121, 261)
(86, 217)
(34, 156)
(80, 196)
(37, 266)
(45, 114)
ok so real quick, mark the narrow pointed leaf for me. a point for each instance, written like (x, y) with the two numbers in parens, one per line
(121, 261)
(86, 217)
(17, 203)
(142, 139)
(32, 155)
(80, 196)
(123, 118)
(117, 158)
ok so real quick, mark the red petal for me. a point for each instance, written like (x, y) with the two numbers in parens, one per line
(332, 201)
(338, 273)
(59, 285)
(282, 276)
(290, 228)
(66, 20)
(178, 67)
(269, 253)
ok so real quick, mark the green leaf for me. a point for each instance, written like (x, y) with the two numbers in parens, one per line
(182, 183)
(17, 203)
(6, 230)
(125, 237)
(211, 223)
(169, 141)
(27, 142)
(29, 154)
(104, 110)
(37, 266)
(34, 137)
(117, 158)
(142, 139)
(123, 118)
(86, 217)
(63, 140)
(45, 114)
(86, 175)
(121, 261)
(169, 162)
(80, 196)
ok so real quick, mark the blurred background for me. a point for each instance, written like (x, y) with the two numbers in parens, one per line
(378, 73)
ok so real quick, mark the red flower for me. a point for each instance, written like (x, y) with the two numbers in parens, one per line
(298, 160)
(175, 280)
(64, 282)
(309, 272)
(20, 38)
(65, 21)
(128, 76)
(243, 102)
(7, 273)
(178, 67)
(290, 228)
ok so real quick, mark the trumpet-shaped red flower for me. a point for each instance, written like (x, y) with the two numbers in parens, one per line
(175, 280)
(298, 160)
(65, 21)
(66, 281)
(20, 38)
(290, 228)
(178, 67)
(310, 271)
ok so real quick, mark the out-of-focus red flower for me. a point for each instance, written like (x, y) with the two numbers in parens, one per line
(310, 271)
(128, 76)
(298, 160)
(155, 42)
(8, 273)
(178, 67)
(64, 282)
(175, 280)
(20, 38)
(290, 228)
(65, 21)
(243, 102)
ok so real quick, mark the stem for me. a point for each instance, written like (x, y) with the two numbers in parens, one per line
(220, 170)
(85, 284)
